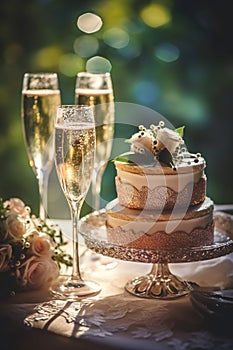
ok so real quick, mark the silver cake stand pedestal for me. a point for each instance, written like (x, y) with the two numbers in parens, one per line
(159, 283)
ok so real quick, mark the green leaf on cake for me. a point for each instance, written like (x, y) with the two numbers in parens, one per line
(128, 141)
(180, 131)
(147, 159)
(123, 158)
(136, 158)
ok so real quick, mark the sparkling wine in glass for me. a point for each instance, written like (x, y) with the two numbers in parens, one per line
(75, 145)
(40, 99)
(96, 90)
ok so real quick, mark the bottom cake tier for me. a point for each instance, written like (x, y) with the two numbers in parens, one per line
(160, 230)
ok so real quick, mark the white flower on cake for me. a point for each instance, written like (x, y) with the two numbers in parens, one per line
(158, 144)
(168, 139)
(141, 142)
(156, 139)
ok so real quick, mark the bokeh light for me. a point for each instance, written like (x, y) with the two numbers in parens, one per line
(132, 50)
(167, 52)
(70, 64)
(47, 57)
(114, 13)
(134, 26)
(86, 46)
(89, 23)
(155, 15)
(116, 37)
(146, 92)
(99, 65)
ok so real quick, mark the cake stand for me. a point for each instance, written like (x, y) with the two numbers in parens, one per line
(159, 283)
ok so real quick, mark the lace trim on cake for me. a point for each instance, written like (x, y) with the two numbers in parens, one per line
(161, 196)
(133, 235)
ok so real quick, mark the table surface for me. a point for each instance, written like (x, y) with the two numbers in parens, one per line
(115, 319)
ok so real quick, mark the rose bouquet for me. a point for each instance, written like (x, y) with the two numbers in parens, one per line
(31, 251)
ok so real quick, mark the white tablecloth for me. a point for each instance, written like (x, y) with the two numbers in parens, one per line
(116, 319)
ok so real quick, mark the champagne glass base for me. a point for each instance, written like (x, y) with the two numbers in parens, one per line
(73, 288)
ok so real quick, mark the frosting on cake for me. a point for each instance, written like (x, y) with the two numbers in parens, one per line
(149, 221)
(167, 230)
(153, 178)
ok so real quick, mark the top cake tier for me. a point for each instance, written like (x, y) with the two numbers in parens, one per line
(160, 187)
(159, 172)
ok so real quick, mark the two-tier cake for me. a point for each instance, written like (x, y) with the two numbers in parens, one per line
(161, 194)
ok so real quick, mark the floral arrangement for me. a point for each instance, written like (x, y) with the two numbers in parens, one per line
(31, 251)
(158, 144)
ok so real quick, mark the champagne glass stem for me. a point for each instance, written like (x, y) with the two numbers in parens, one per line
(43, 180)
(96, 186)
(75, 214)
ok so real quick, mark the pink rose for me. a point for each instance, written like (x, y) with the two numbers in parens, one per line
(5, 256)
(17, 207)
(36, 272)
(15, 228)
(40, 246)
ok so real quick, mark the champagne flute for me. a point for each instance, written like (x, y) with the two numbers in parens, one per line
(74, 158)
(40, 98)
(96, 90)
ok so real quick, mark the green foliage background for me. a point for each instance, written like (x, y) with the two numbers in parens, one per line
(195, 90)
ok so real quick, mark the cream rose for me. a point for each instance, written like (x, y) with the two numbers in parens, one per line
(5, 256)
(15, 228)
(36, 273)
(40, 246)
(141, 142)
(169, 139)
(17, 206)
